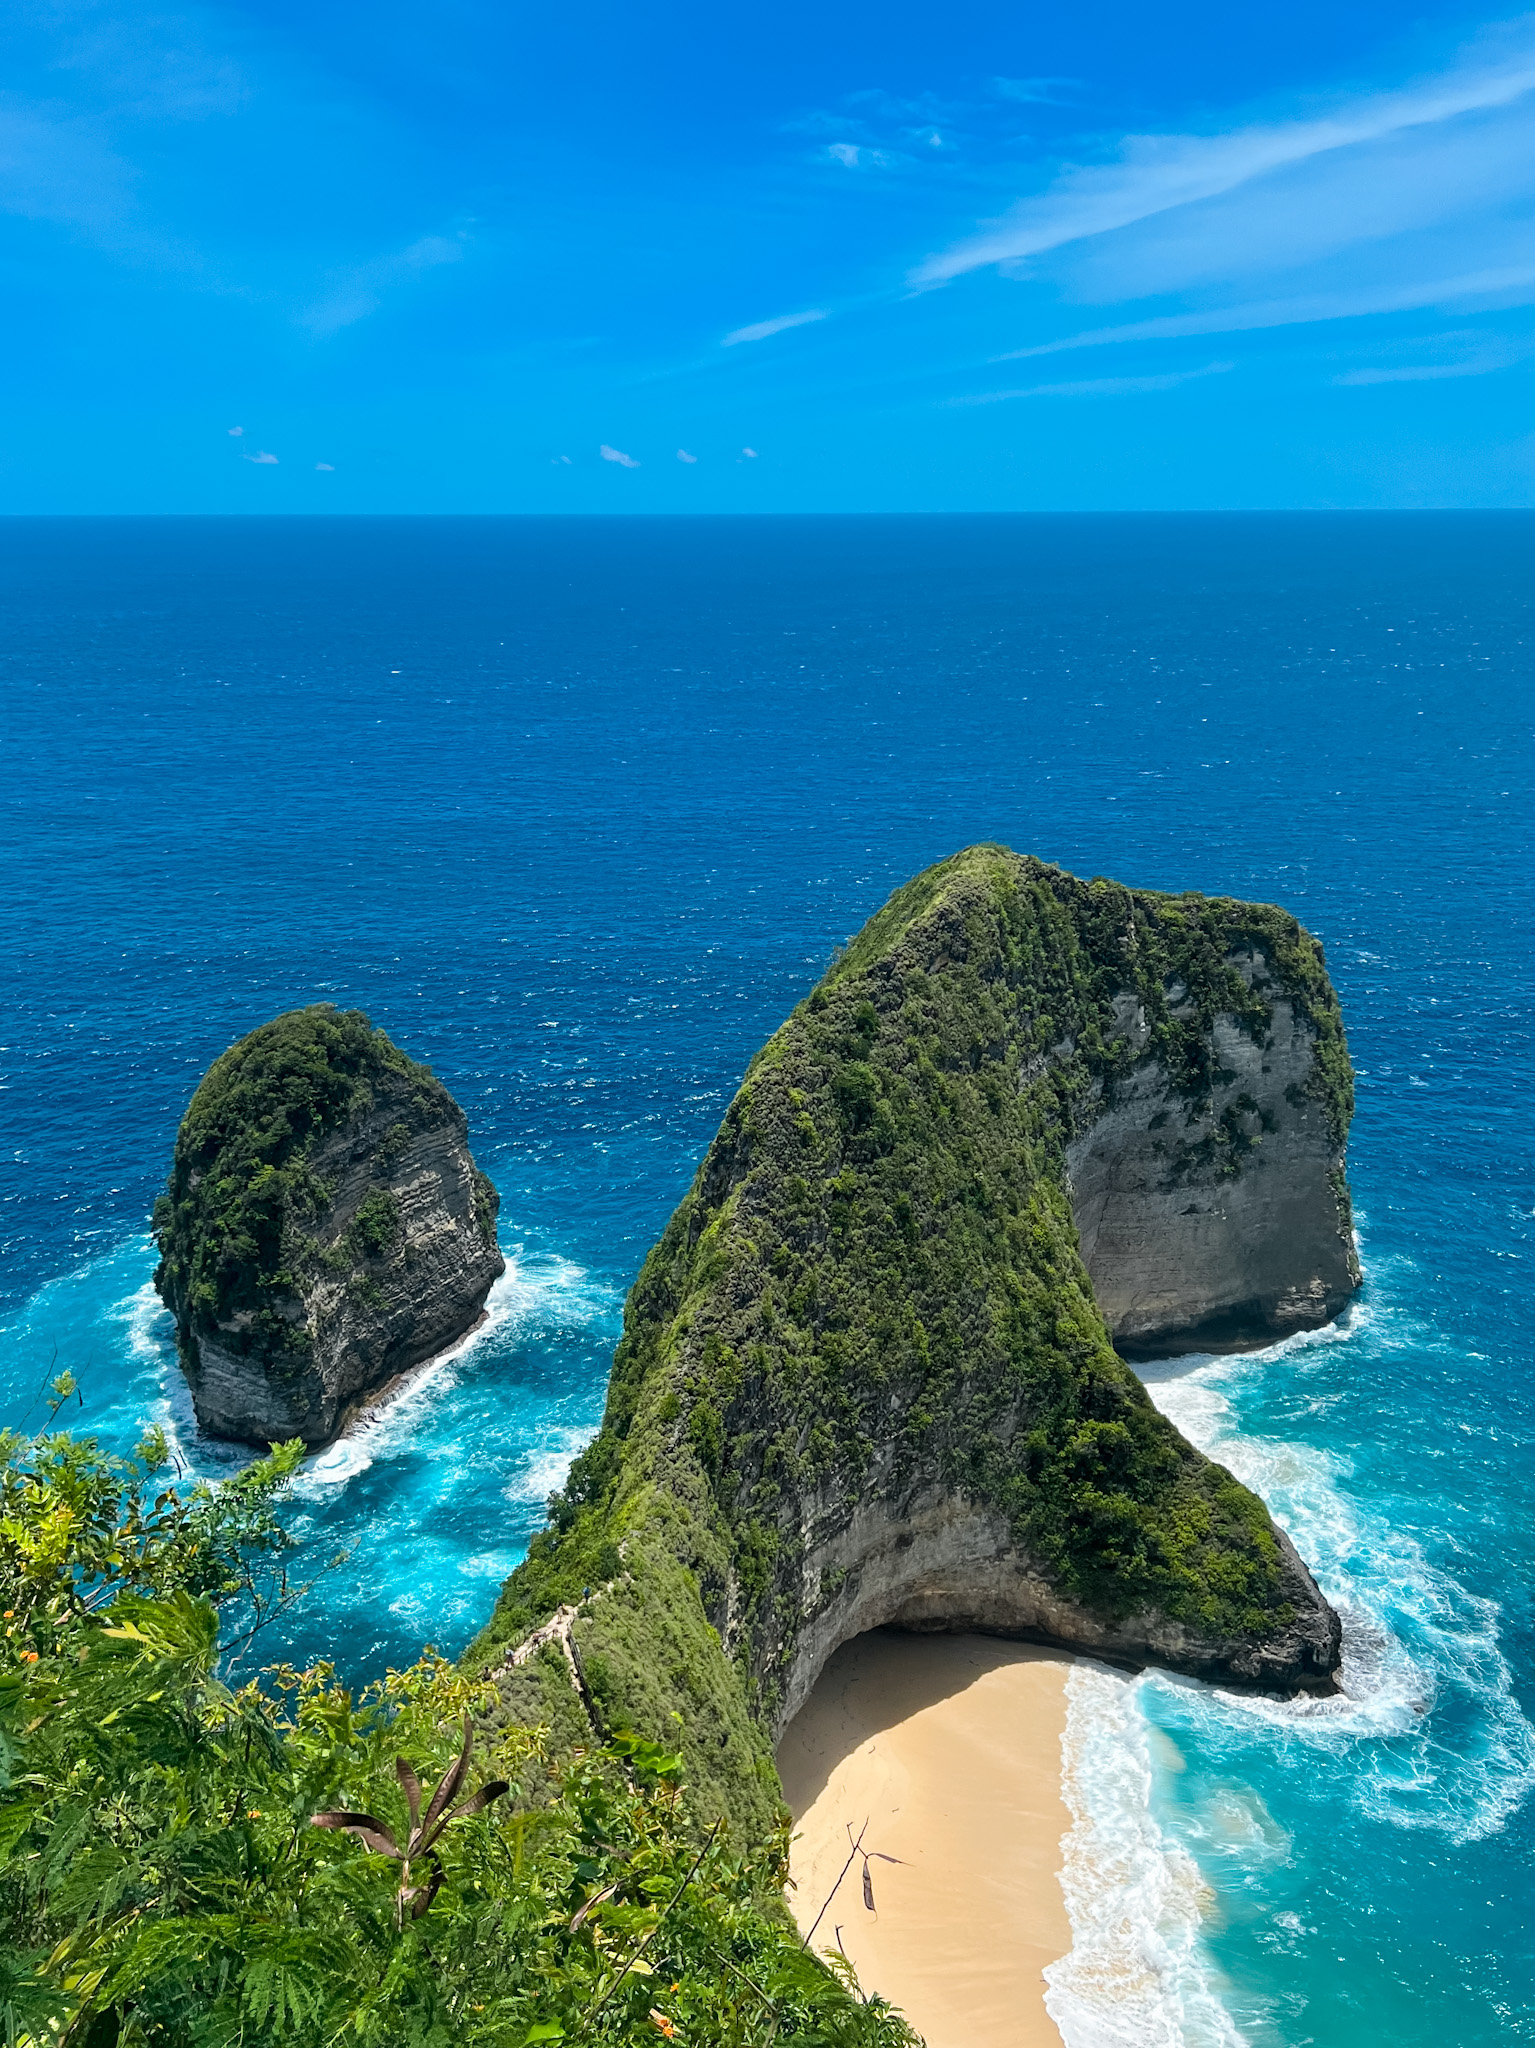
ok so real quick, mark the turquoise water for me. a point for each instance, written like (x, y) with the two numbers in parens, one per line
(577, 810)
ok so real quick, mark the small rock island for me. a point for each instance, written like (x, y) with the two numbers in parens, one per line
(869, 1374)
(324, 1228)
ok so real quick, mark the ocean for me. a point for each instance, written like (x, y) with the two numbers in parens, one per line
(577, 809)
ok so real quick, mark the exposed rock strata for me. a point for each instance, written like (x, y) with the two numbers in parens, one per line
(940, 1561)
(324, 1230)
(1217, 1222)
(863, 1377)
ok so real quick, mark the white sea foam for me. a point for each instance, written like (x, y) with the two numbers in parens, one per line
(546, 1463)
(1137, 1975)
(532, 1295)
(538, 1294)
(1428, 1710)
(148, 1325)
(1427, 1730)
(150, 1337)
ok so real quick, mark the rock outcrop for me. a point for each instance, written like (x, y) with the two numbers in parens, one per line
(863, 1377)
(324, 1228)
(1216, 1218)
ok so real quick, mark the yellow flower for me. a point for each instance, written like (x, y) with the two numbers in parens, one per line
(254, 1814)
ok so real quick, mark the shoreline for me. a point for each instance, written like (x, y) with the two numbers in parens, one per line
(942, 1753)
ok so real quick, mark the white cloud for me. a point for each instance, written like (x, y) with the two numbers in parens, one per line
(359, 292)
(846, 153)
(1463, 352)
(60, 170)
(1100, 387)
(330, 466)
(1420, 374)
(1509, 285)
(236, 432)
(1032, 92)
(556, 461)
(262, 457)
(157, 65)
(750, 454)
(683, 456)
(617, 455)
(1156, 174)
(761, 329)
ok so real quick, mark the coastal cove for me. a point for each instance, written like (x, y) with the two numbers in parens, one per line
(939, 1755)
(592, 999)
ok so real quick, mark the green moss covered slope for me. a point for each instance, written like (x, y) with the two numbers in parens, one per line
(232, 1222)
(863, 1377)
(324, 1227)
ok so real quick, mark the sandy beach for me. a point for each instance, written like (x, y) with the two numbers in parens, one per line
(949, 1749)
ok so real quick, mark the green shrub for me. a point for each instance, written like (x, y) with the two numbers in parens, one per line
(162, 1884)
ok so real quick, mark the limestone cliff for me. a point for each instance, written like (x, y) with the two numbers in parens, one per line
(863, 1377)
(1210, 1205)
(324, 1228)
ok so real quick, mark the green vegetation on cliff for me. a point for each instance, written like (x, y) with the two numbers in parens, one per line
(874, 1289)
(230, 1226)
(233, 1224)
(870, 1299)
(161, 1884)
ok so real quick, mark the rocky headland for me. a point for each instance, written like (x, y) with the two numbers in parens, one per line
(868, 1375)
(324, 1228)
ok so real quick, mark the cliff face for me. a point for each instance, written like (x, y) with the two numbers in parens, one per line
(863, 1376)
(324, 1228)
(1215, 1219)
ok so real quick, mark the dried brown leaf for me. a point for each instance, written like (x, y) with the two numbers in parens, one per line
(370, 1832)
(411, 1785)
(452, 1778)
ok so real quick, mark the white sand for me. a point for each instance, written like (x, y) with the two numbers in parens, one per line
(949, 1748)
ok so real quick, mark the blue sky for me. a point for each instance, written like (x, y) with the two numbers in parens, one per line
(843, 256)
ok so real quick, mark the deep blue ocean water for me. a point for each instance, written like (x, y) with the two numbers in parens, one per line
(577, 809)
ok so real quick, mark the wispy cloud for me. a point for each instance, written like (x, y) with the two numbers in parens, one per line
(86, 152)
(1033, 92)
(683, 456)
(263, 457)
(1099, 387)
(1155, 174)
(1462, 352)
(1420, 373)
(359, 292)
(1501, 286)
(617, 455)
(153, 63)
(61, 169)
(761, 329)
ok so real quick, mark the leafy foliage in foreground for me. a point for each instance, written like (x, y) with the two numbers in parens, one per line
(161, 1881)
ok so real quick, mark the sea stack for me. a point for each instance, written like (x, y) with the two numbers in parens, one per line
(868, 1377)
(324, 1228)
